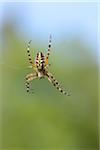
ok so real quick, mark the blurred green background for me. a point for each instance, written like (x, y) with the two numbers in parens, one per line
(47, 119)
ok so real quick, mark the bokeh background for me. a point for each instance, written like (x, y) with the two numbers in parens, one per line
(47, 119)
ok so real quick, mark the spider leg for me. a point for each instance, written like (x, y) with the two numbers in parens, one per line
(49, 49)
(56, 84)
(28, 51)
(29, 78)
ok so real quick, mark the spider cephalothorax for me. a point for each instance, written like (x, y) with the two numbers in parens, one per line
(40, 69)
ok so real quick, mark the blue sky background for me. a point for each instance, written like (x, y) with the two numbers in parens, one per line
(64, 19)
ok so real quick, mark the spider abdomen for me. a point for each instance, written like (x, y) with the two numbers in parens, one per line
(40, 61)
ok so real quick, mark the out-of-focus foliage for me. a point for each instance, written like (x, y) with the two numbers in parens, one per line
(47, 119)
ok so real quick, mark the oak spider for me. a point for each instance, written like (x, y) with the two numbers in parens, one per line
(40, 69)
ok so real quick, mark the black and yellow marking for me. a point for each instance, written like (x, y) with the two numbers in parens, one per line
(40, 60)
(56, 84)
(49, 49)
(27, 86)
(28, 51)
(29, 78)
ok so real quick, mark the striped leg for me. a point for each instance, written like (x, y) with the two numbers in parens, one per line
(29, 78)
(28, 51)
(56, 84)
(48, 52)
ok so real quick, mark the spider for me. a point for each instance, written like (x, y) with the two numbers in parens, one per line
(41, 69)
